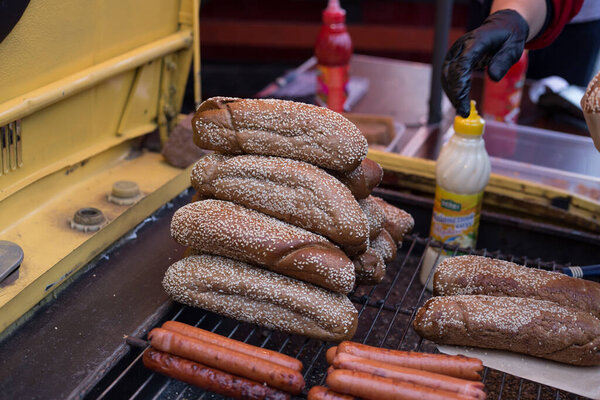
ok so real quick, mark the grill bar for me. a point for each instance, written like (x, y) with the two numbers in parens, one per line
(386, 312)
(123, 374)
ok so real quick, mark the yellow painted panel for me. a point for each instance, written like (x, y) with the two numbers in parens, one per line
(27, 200)
(52, 249)
(56, 38)
(122, 25)
(143, 97)
(79, 123)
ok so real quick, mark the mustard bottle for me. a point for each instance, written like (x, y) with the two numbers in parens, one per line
(462, 173)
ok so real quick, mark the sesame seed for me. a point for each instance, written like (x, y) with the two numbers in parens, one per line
(536, 327)
(288, 129)
(230, 230)
(293, 191)
(243, 292)
(471, 274)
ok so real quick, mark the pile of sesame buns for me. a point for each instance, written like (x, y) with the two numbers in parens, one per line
(491, 303)
(283, 224)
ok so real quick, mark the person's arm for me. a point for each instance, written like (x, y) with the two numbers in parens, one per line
(499, 42)
(532, 11)
(559, 13)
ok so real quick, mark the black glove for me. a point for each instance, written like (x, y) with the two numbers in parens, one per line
(498, 44)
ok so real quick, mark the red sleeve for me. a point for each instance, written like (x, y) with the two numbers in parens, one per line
(564, 11)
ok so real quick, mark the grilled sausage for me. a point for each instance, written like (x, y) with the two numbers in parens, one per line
(208, 378)
(268, 355)
(410, 375)
(371, 387)
(457, 366)
(227, 360)
(322, 393)
(330, 355)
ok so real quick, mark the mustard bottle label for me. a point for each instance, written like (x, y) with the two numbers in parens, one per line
(455, 218)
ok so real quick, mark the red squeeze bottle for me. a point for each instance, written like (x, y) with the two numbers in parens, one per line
(501, 102)
(333, 51)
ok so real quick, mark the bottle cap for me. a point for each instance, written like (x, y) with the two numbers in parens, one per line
(334, 14)
(472, 125)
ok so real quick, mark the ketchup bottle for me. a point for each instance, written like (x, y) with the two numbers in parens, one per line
(333, 51)
(502, 100)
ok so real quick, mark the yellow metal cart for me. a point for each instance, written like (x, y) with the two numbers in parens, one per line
(81, 82)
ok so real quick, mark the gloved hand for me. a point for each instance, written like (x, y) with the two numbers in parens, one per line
(498, 44)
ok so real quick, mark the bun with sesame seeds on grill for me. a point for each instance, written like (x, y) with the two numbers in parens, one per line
(536, 327)
(243, 292)
(280, 128)
(292, 191)
(230, 230)
(397, 221)
(369, 267)
(375, 216)
(482, 275)
(362, 180)
(385, 246)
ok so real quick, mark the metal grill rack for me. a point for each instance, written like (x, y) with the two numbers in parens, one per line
(386, 312)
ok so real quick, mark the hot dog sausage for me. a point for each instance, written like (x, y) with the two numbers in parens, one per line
(322, 393)
(227, 360)
(330, 355)
(268, 355)
(457, 366)
(371, 387)
(208, 378)
(418, 377)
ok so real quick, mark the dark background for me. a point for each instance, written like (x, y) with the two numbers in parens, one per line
(246, 44)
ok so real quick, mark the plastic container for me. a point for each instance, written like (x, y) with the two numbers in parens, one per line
(556, 159)
(383, 133)
(333, 50)
(462, 173)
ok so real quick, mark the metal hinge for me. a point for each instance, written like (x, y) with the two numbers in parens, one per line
(11, 147)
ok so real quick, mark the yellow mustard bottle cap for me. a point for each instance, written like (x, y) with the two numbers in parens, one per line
(472, 125)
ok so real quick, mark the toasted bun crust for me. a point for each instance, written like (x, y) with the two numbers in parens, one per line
(280, 128)
(375, 216)
(535, 327)
(369, 267)
(482, 275)
(590, 102)
(243, 292)
(362, 180)
(397, 221)
(385, 246)
(292, 191)
(230, 230)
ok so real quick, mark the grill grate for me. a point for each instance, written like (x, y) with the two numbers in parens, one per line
(386, 312)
